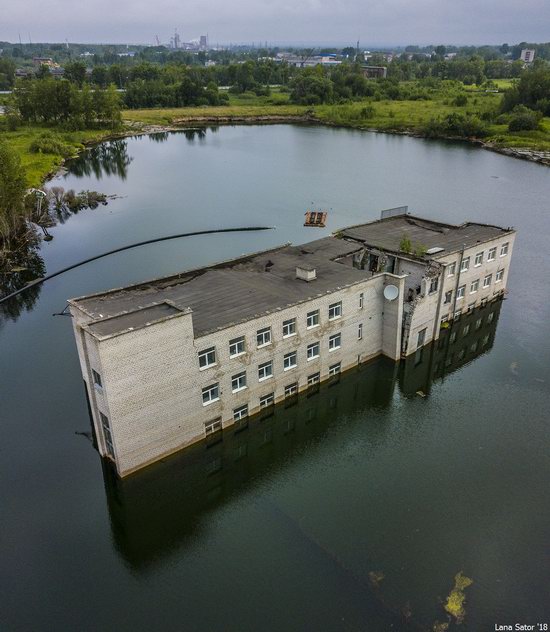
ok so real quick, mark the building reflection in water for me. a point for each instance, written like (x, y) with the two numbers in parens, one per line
(156, 511)
(464, 340)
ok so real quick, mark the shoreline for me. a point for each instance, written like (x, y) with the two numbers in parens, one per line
(182, 123)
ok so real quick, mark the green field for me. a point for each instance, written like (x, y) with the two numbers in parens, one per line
(38, 166)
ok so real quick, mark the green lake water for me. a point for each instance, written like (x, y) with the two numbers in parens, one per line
(351, 509)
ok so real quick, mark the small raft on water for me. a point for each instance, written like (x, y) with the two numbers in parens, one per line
(315, 218)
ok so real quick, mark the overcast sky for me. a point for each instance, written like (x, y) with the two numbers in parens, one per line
(380, 22)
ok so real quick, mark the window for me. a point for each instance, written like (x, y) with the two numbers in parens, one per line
(313, 319)
(240, 413)
(265, 371)
(471, 307)
(313, 351)
(290, 360)
(263, 336)
(361, 300)
(474, 286)
(479, 259)
(491, 256)
(451, 269)
(485, 340)
(238, 382)
(210, 394)
(207, 358)
(289, 327)
(487, 280)
(504, 249)
(460, 292)
(457, 314)
(315, 378)
(448, 297)
(465, 264)
(490, 317)
(335, 311)
(421, 338)
(236, 347)
(444, 320)
(107, 434)
(96, 378)
(335, 342)
(291, 389)
(213, 426)
(499, 276)
(452, 337)
(433, 285)
(360, 331)
(479, 322)
(466, 330)
(334, 369)
(267, 400)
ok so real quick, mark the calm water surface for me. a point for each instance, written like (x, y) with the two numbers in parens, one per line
(291, 523)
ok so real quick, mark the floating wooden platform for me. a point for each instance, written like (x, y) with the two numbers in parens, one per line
(316, 218)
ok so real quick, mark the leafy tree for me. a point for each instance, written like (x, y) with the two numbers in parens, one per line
(75, 72)
(100, 76)
(7, 73)
(532, 90)
(12, 191)
(524, 119)
(311, 89)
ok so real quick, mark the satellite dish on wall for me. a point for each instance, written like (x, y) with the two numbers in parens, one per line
(391, 292)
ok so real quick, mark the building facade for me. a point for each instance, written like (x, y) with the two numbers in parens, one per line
(171, 362)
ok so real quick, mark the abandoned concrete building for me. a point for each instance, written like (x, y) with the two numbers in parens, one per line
(171, 361)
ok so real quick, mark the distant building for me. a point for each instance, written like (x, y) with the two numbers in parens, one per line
(203, 42)
(209, 62)
(45, 61)
(172, 361)
(374, 72)
(309, 62)
(527, 55)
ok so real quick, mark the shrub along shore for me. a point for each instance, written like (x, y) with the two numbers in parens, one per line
(42, 149)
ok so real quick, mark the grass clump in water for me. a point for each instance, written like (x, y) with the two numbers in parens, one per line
(456, 598)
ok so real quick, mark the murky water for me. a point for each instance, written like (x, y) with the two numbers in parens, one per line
(352, 509)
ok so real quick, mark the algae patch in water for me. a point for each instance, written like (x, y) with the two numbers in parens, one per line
(456, 598)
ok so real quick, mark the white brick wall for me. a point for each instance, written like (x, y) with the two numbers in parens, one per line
(425, 313)
(152, 384)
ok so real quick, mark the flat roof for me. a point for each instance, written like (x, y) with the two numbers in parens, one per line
(387, 233)
(254, 285)
(227, 293)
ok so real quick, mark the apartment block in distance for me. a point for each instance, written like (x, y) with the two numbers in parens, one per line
(171, 361)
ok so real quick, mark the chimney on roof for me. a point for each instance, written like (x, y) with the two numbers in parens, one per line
(306, 273)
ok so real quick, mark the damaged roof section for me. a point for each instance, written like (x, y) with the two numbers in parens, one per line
(387, 234)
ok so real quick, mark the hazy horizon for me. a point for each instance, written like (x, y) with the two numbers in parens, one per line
(315, 22)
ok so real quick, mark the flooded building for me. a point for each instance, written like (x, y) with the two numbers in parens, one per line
(172, 361)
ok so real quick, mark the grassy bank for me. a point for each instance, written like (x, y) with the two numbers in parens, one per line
(387, 115)
(39, 165)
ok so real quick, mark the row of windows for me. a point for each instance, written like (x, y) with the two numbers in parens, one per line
(478, 259)
(211, 393)
(268, 399)
(264, 336)
(466, 329)
(474, 285)
(471, 308)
